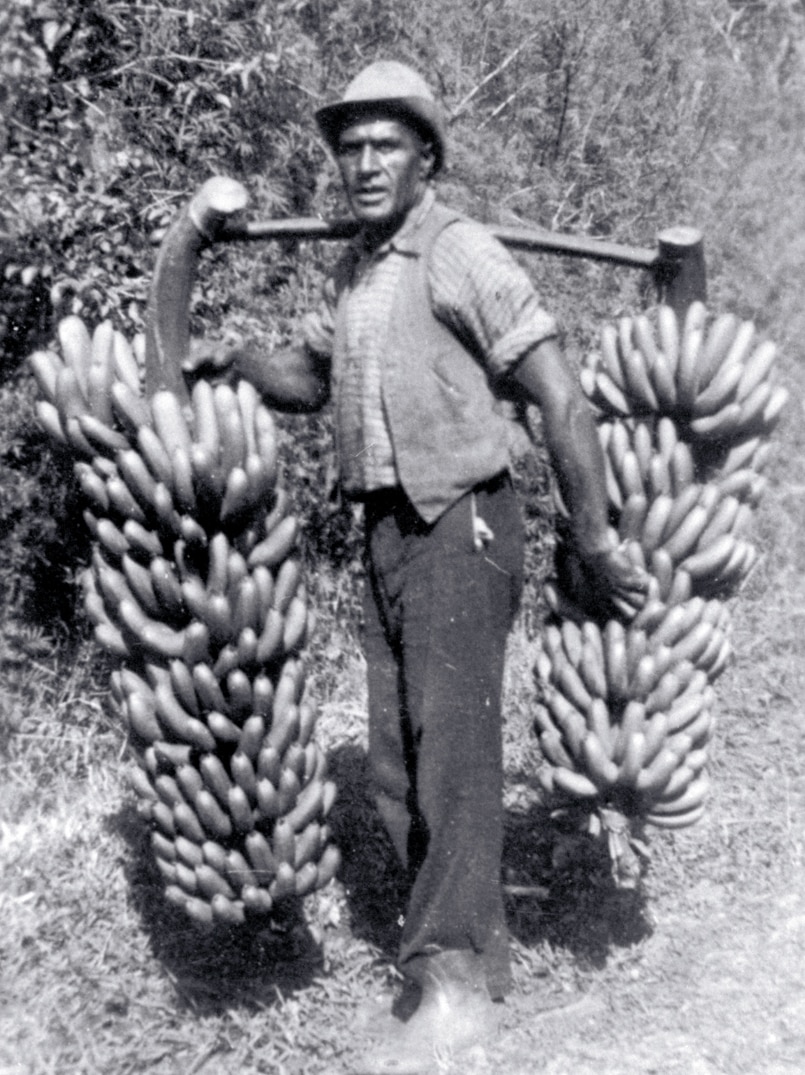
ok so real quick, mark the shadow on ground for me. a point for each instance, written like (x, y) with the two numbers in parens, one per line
(217, 969)
(558, 882)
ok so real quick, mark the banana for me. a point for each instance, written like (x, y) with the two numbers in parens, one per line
(141, 715)
(682, 468)
(76, 347)
(691, 338)
(753, 409)
(757, 369)
(599, 723)
(209, 690)
(179, 722)
(575, 785)
(238, 871)
(717, 343)
(76, 439)
(237, 501)
(48, 416)
(610, 356)
(129, 408)
(682, 540)
(170, 422)
(554, 749)
(632, 517)
(614, 641)
(187, 822)
(693, 644)
(265, 431)
(225, 662)
(138, 480)
(638, 381)
(722, 425)
(243, 775)
(295, 632)
(239, 694)
(252, 735)
(268, 798)
(642, 445)
(632, 759)
(664, 385)
(214, 774)
(182, 485)
(612, 396)
(643, 336)
(676, 821)
(155, 455)
(629, 476)
(269, 764)
(112, 539)
(721, 391)
(305, 879)
(227, 912)
(600, 767)
(653, 779)
(211, 883)
(693, 796)
(240, 809)
(92, 486)
(722, 521)
(662, 568)
(777, 403)
(261, 857)
(741, 346)
(308, 845)
(678, 622)
(171, 756)
(45, 366)
(205, 421)
(276, 547)
(156, 638)
(567, 719)
(190, 784)
(659, 481)
(230, 427)
(655, 731)
(215, 820)
(708, 563)
(101, 373)
(632, 722)
(124, 362)
(656, 522)
(668, 336)
(196, 649)
(329, 864)
(687, 709)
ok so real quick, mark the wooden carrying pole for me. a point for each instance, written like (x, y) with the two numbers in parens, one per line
(677, 264)
(212, 216)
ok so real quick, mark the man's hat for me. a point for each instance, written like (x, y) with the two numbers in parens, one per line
(392, 88)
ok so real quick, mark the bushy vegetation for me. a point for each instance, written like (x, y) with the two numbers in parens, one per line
(579, 117)
(612, 119)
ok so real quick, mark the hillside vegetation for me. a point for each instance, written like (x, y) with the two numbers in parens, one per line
(612, 120)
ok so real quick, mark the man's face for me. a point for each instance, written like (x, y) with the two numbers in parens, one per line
(385, 167)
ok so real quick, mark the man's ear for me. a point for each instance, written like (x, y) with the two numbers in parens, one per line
(428, 158)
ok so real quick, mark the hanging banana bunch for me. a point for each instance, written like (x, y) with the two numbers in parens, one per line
(196, 588)
(685, 413)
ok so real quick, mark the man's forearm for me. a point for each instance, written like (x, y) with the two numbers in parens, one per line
(572, 443)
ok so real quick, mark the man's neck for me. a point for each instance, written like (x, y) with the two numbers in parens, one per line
(373, 237)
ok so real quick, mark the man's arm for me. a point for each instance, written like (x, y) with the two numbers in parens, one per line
(577, 458)
(293, 379)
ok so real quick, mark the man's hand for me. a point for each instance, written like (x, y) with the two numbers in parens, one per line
(617, 580)
(209, 360)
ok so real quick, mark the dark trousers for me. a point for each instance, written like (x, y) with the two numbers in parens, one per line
(437, 613)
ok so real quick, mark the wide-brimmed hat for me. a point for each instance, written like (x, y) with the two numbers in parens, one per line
(390, 87)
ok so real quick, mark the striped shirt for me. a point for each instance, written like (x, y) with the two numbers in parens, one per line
(477, 289)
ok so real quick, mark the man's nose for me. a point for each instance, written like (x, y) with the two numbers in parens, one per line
(367, 162)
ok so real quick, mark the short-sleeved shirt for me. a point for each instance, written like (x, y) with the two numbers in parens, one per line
(477, 290)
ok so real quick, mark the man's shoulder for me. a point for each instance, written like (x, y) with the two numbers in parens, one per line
(460, 233)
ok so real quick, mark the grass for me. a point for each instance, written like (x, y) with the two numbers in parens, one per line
(699, 971)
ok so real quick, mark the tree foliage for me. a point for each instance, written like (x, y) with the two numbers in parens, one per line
(607, 118)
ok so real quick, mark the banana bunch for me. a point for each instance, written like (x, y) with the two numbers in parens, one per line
(627, 710)
(195, 588)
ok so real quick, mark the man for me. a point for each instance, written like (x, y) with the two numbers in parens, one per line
(427, 320)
